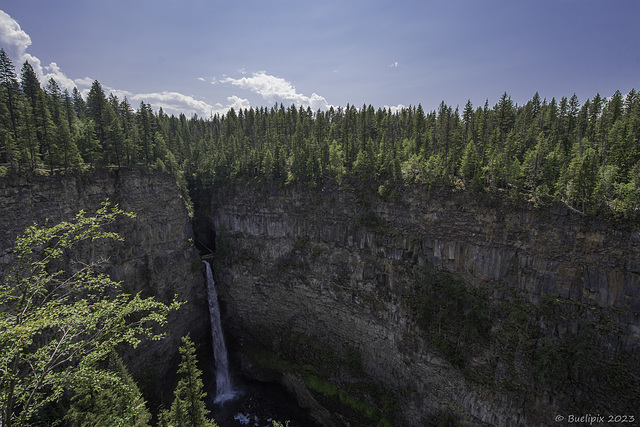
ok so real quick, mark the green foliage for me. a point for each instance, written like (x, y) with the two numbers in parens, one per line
(621, 375)
(55, 325)
(321, 361)
(112, 398)
(456, 315)
(188, 407)
(550, 364)
(445, 419)
(373, 222)
(586, 156)
(557, 355)
(331, 390)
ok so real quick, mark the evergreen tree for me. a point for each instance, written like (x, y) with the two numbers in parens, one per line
(29, 147)
(97, 111)
(66, 152)
(79, 105)
(582, 171)
(505, 116)
(7, 146)
(469, 167)
(188, 408)
(112, 398)
(38, 115)
(129, 133)
(9, 81)
(468, 122)
(146, 131)
(537, 149)
(420, 128)
(115, 138)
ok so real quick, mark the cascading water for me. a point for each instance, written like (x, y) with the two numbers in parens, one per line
(224, 391)
(256, 402)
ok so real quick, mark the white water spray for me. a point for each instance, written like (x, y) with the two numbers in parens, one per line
(224, 391)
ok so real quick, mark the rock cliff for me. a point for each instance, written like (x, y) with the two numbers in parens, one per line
(343, 296)
(411, 309)
(156, 258)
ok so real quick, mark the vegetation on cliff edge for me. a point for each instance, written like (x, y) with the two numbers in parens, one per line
(62, 319)
(586, 155)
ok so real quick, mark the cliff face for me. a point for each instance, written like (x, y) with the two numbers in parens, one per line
(405, 309)
(156, 257)
(303, 272)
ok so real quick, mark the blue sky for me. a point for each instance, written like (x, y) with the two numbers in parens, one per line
(204, 56)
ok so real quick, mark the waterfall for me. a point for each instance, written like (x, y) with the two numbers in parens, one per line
(224, 391)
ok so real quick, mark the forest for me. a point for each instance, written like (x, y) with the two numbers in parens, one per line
(583, 154)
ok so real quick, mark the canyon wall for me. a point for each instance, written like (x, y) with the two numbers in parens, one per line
(336, 271)
(353, 300)
(156, 258)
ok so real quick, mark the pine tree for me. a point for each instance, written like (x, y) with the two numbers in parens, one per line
(79, 105)
(9, 81)
(66, 151)
(7, 147)
(39, 116)
(115, 138)
(469, 164)
(130, 133)
(112, 398)
(88, 144)
(28, 149)
(146, 132)
(188, 407)
(96, 109)
(583, 172)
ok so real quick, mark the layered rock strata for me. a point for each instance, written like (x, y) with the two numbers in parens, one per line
(332, 266)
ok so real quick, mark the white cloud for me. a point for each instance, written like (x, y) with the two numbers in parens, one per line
(86, 81)
(276, 89)
(55, 73)
(236, 103)
(171, 102)
(201, 79)
(16, 41)
(12, 37)
(395, 109)
(174, 101)
(177, 103)
(393, 65)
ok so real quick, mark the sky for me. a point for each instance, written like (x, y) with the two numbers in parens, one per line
(206, 56)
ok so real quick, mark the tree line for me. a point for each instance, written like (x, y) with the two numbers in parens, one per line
(53, 129)
(586, 155)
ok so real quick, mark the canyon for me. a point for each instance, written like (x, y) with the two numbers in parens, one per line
(337, 270)
(406, 307)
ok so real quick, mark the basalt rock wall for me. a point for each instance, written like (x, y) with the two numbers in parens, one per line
(156, 258)
(340, 267)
